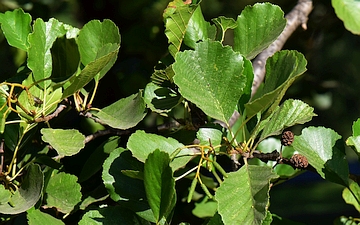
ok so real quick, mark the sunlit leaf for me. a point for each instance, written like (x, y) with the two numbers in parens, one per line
(351, 195)
(63, 192)
(257, 27)
(35, 217)
(65, 142)
(246, 189)
(16, 27)
(206, 75)
(141, 144)
(348, 12)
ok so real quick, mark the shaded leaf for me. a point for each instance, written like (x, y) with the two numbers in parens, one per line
(123, 189)
(160, 99)
(63, 192)
(41, 41)
(16, 27)
(141, 144)
(257, 27)
(125, 113)
(159, 184)
(111, 215)
(205, 209)
(35, 217)
(282, 69)
(205, 76)
(176, 17)
(317, 144)
(248, 190)
(223, 24)
(28, 193)
(65, 142)
(348, 12)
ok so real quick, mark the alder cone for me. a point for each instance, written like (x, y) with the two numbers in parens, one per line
(287, 138)
(299, 161)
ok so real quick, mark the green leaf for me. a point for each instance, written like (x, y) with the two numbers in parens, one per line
(215, 220)
(28, 193)
(208, 133)
(5, 195)
(65, 142)
(16, 27)
(223, 24)
(63, 192)
(3, 110)
(97, 39)
(176, 17)
(317, 144)
(142, 144)
(35, 217)
(111, 215)
(257, 27)
(94, 163)
(41, 41)
(291, 112)
(160, 99)
(198, 29)
(205, 209)
(355, 139)
(125, 113)
(246, 189)
(123, 189)
(351, 195)
(89, 72)
(206, 75)
(282, 69)
(159, 184)
(348, 12)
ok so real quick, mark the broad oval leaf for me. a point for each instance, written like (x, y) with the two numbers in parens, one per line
(282, 69)
(257, 27)
(65, 142)
(246, 189)
(63, 192)
(41, 41)
(159, 184)
(125, 113)
(16, 27)
(28, 193)
(348, 12)
(141, 144)
(317, 144)
(211, 77)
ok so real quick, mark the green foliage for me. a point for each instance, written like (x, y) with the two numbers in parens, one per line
(177, 141)
(347, 11)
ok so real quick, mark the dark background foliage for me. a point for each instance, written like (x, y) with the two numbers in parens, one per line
(331, 84)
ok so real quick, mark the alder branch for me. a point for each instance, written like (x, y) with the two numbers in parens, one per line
(296, 17)
(59, 109)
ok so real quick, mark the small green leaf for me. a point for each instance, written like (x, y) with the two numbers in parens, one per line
(206, 75)
(63, 192)
(291, 112)
(205, 209)
(351, 195)
(41, 41)
(3, 112)
(176, 17)
(65, 142)
(257, 27)
(125, 113)
(16, 27)
(111, 215)
(223, 24)
(248, 190)
(282, 69)
(207, 133)
(317, 144)
(35, 217)
(159, 184)
(198, 29)
(348, 12)
(28, 193)
(142, 144)
(4, 195)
